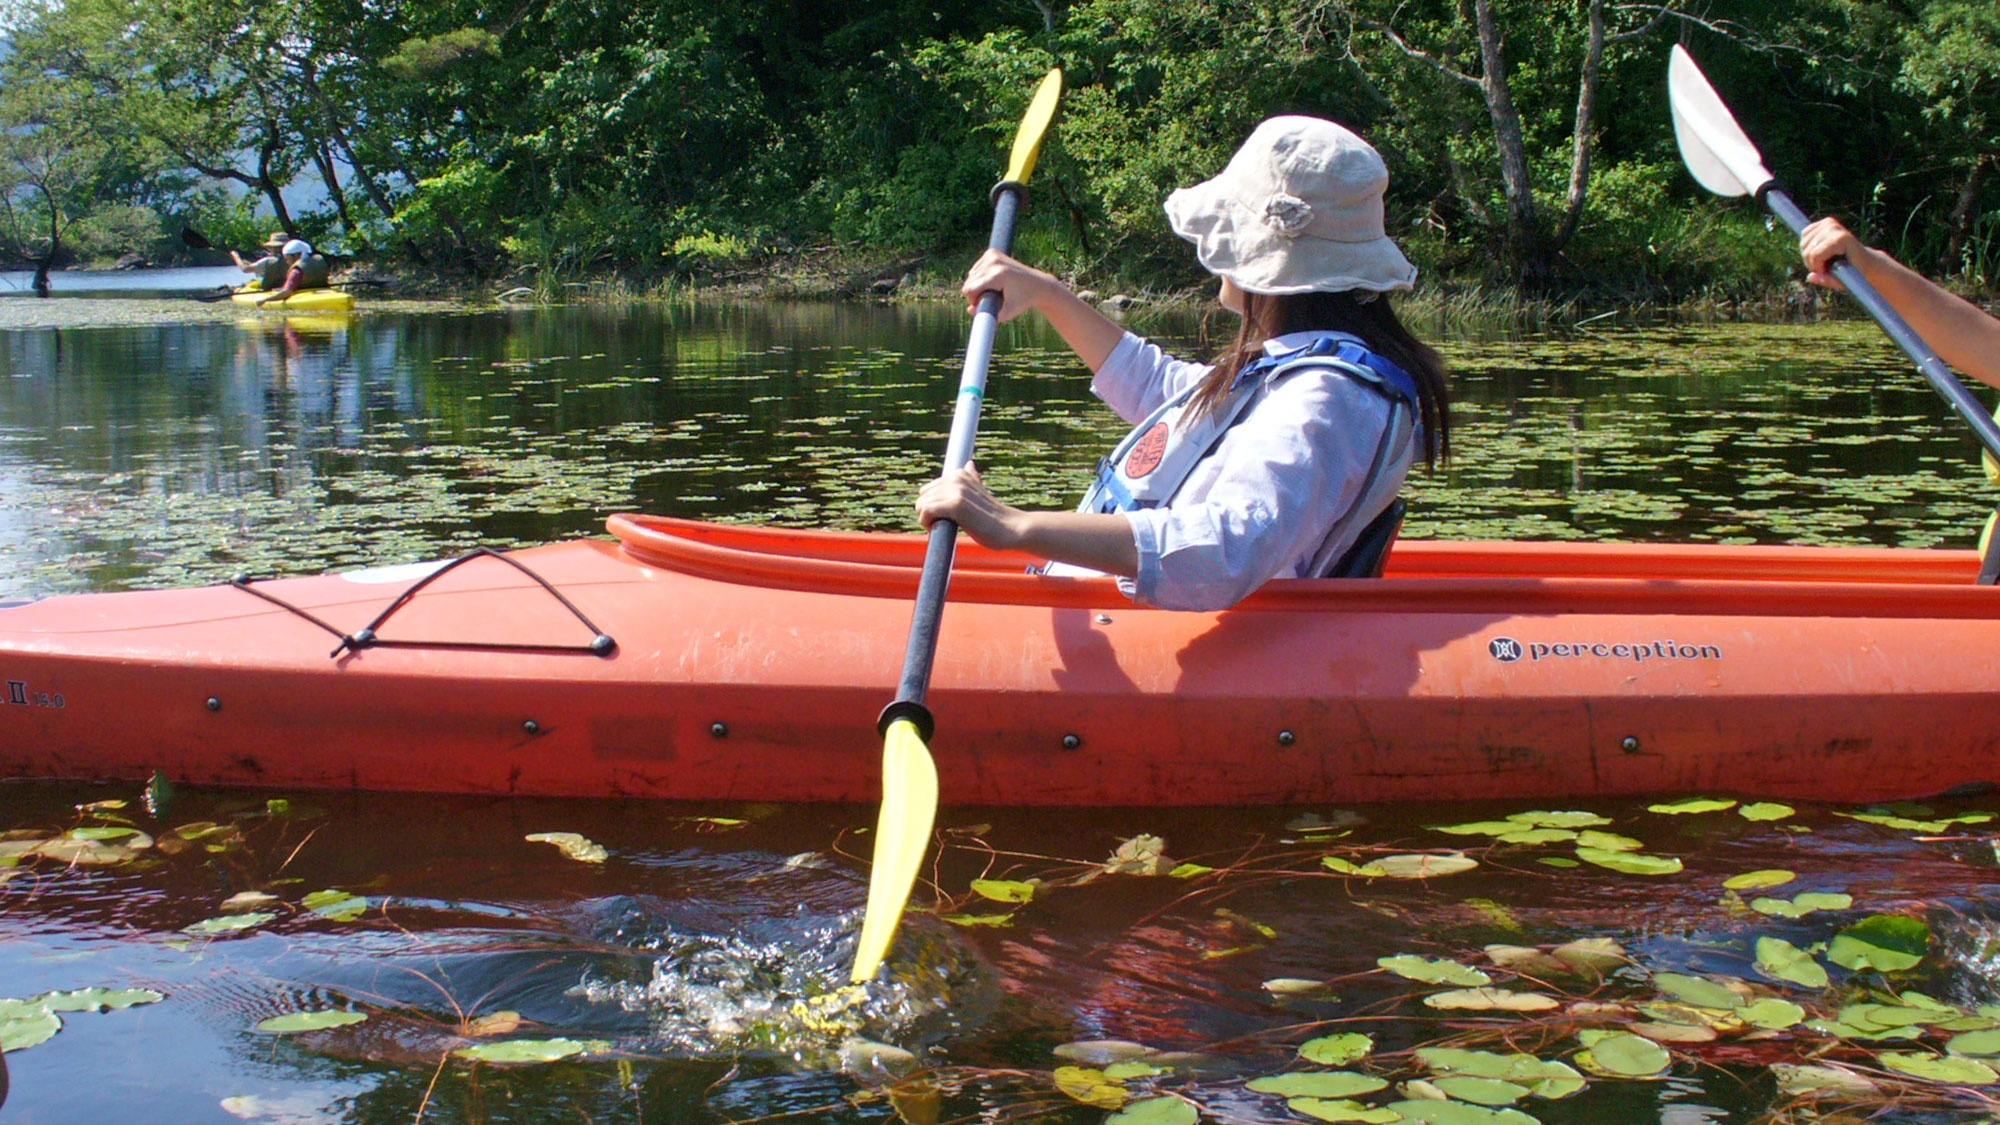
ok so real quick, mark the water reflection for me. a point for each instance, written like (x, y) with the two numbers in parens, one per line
(163, 455)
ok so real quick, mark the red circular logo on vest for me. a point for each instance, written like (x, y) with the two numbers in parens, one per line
(1145, 456)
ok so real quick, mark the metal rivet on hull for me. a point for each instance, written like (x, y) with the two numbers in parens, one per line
(1071, 742)
(1286, 738)
(214, 704)
(1631, 744)
(532, 727)
(719, 730)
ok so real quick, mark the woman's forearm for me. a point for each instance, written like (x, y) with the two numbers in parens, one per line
(1099, 541)
(1965, 337)
(1089, 333)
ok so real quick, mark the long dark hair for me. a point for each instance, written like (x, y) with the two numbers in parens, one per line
(1367, 315)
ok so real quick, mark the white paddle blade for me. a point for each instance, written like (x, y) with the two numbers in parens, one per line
(1712, 144)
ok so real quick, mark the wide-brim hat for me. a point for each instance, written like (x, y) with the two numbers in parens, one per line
(1297, 210)
(278, 239)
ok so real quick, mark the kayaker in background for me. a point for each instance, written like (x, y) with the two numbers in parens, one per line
(304, 270)
(270, 269)
(1965, 337)
(1271, 461)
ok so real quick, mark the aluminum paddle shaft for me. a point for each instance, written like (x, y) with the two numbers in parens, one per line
(909, 776)
(939, 550)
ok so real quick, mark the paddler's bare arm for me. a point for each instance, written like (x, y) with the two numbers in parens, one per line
(1964, 336)
(1100, 542)
(1089, 333)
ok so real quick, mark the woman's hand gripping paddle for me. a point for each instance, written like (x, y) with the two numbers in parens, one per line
(1723, 160)
(909, 777)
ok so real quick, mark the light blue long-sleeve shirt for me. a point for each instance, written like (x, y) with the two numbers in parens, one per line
(1280, 493)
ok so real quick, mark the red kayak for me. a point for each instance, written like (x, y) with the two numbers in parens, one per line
(704, 661)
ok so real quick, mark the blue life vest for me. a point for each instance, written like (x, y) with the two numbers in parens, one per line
(1154, 460)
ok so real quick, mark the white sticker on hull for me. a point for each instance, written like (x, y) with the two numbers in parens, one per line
(406, 572)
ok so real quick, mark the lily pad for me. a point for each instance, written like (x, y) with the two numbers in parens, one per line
(1295, 986)
(1318, 1084)
(1480, 828)
(1492, 1000)
(1752, 880)
(1429, 971)
(1631, 863)
(1800, 905)
(1124, 1071)
(1568, 818)
(1975, 1043)
(1004, 890)
(1341, 1110)
(1601, 954)
(1765, 810)
(1956, 1069)
(1103, 1052)
(1887, 943)
(1537, 836)
(228, 923)
(574, 846)
(1425, 866)
(1336, 1050)
(1091, 1086)
(100, 999)
(1189, 871)
(531, 1050)
(1623, 1054)
(1771, 1013)
(1544, 1077)
(1608, 841)
(1698, 991)
(294, 1022)
(1349, 867)
(1482, 1091)
(1458, 1113)
(1781, 960)
(339, 906)
(1810, 1079)
(26, 1023)
(1164, 1110)
(1911, 824)
(1692, 805)
(978, 919)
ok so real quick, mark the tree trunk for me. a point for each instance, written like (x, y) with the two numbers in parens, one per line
(1524, 221)
(48, 260)
(323, 160)
(1588, 81)
(1962, 212)
(270, 187)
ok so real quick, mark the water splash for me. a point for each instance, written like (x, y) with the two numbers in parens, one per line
(784, 992)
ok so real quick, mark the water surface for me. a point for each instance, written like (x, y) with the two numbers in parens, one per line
(689, 968)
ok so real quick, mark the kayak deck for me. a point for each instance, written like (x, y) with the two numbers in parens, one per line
(304, 300)
(750, 663)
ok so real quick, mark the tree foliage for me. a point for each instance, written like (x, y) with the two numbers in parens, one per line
(1528, 143)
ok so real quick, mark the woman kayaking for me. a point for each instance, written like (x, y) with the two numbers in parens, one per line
(1271, 461)
(304, 270)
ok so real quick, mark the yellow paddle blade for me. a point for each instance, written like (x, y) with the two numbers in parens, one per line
(902, 835)
(1034, 126)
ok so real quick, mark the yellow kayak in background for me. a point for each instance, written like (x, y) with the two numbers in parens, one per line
(305, 300)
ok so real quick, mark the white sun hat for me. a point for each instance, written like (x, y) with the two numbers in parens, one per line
(1298, 210)
(298, 246)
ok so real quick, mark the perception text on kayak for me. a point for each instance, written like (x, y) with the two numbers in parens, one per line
(1507, 650)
